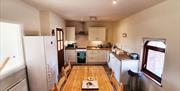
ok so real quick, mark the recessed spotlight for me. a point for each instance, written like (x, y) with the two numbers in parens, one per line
(114, 1)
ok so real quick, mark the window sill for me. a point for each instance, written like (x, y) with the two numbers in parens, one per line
(158, 83)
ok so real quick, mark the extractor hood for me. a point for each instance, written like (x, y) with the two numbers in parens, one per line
(83, 32)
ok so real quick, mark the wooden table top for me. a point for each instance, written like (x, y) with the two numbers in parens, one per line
(79, 73)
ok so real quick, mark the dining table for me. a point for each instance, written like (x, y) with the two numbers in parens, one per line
(79, 73)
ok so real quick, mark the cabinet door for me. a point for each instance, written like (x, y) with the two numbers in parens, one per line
(115, 65)
(101, 34)
(90, 56)
(92, 34)
(97, 33)
(101, 55)
(96, 56)
(70, 33)
(70, 55)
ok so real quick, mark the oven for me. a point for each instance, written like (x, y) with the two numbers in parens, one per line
(81, 55)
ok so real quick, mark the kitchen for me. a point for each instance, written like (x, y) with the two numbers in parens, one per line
(91, 40)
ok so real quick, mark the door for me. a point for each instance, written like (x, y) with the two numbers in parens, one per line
(60, 47)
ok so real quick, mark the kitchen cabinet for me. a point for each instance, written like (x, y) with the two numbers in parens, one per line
(70, 55)
(70, 33)
(121, 67)
(96, 56)
(97, 33)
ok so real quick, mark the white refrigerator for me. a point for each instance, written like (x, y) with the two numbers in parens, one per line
(41, 61)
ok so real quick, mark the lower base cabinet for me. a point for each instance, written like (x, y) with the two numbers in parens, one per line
(70, 55)
(96, 56)
(121, 67)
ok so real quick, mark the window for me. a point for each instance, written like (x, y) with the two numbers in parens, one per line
(153, 59)
(60, 39)
(11, 50)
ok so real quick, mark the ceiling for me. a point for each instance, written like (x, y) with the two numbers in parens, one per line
(105, 10)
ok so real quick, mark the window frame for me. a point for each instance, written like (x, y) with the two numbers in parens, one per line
(144, 69)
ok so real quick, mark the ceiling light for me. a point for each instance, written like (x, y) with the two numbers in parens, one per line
(115, 1)
(93, 18)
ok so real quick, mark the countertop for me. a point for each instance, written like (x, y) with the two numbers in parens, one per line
(99, 49)
(89, 48)
(121, 56)
(70, 48)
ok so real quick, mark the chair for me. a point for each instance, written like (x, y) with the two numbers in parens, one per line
(66, 71)
(116, 85)
(60, 84)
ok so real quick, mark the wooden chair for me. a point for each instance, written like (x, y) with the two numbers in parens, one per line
(117, 86)
(60, 84)
(66, 71)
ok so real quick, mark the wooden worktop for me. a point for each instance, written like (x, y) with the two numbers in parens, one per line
(89, 48)
(121, 56)
(98, 48)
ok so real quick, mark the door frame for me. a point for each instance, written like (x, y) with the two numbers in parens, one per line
(60, 61)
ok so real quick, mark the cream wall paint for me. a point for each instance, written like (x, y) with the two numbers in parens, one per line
(49, 21)
(56, 21)
(45, 22)
(160, 21)
(18, 11)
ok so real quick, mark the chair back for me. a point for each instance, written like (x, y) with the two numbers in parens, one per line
(58, 87)
(67, 69)
(61, 82)
(64, 72)
(117, 86)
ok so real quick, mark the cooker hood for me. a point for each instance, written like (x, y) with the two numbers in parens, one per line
(82, 32)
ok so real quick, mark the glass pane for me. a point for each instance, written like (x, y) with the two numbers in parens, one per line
(61, 35)
(159, 44)
(58, 36)
(59, 46)
(155, 62)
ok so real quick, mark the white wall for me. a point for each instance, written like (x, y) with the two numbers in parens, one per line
(56, 21)
(18, 11)
(45, 22)
(159, 21)
(49, 21)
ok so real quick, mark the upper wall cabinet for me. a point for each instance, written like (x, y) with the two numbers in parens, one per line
(97, 33)
(70, 33)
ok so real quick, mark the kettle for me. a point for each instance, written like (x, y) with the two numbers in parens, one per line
(134, 56)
